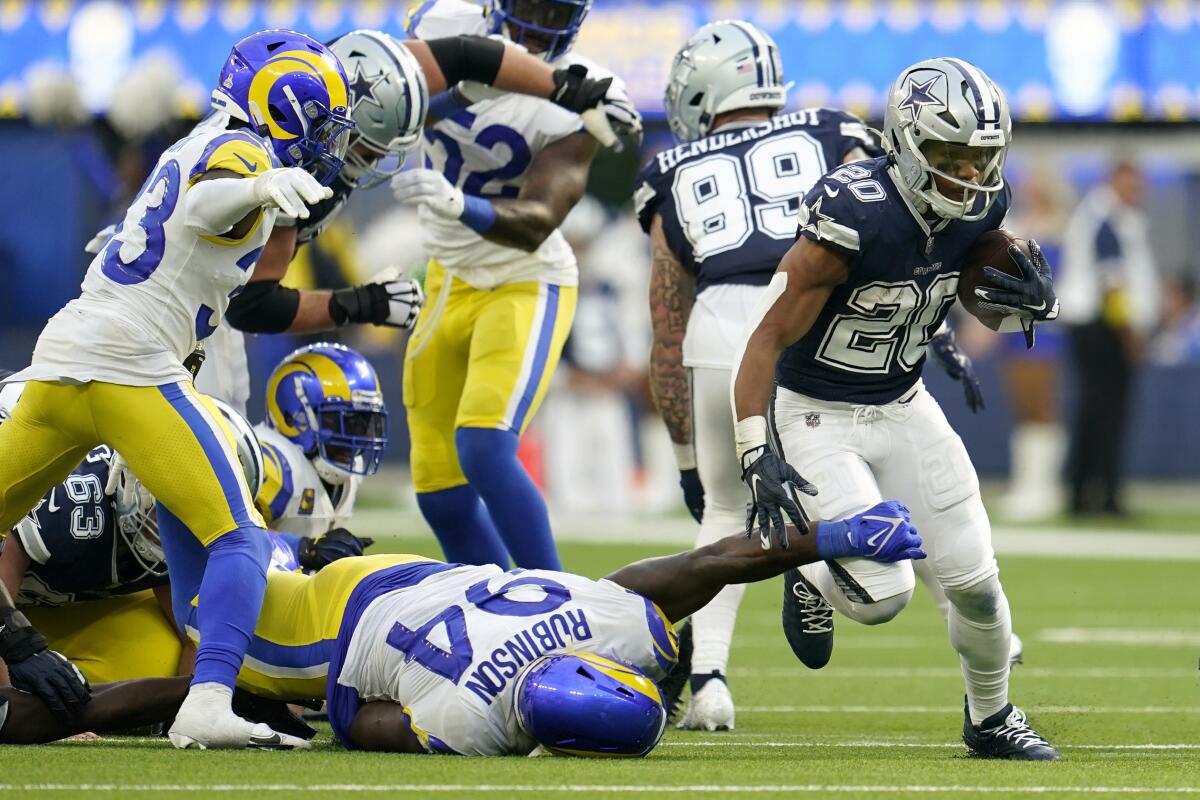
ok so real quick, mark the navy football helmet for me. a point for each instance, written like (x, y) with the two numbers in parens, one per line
(588, 705)
(544, 27)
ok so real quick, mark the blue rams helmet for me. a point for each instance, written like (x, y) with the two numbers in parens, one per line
(326, 398)
(588, 705)
(293, 92)
(545, 27)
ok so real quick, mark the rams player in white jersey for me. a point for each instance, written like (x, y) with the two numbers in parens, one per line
(108, 368)
(390, 82)
(501, 175)
(417, 656)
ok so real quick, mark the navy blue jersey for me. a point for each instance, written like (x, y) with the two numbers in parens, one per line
(868, 344)
(76, 546)
(730, 202)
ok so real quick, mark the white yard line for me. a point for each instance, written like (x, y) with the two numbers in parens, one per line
(830, 709)
(1070, 673)
(1133, 637)
(599, 789)
(733, 741)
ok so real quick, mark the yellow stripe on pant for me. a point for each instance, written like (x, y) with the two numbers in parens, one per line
(172, 437)
(480, 358)
(288, 658)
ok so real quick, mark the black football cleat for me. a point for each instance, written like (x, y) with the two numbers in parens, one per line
(1007, 735)
(807, 621)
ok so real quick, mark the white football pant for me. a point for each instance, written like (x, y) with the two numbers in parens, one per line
(859, 455)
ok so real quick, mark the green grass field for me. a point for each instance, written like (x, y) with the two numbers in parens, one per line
(1109, 676)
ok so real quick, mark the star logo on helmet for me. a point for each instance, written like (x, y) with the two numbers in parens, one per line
(362, 87)
(919, 96)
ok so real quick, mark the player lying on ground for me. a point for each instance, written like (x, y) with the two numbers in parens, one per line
(418, 656)
(837, 358)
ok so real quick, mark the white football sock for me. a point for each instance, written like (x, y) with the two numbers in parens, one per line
(980, 630)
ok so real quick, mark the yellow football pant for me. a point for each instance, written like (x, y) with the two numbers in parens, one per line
(479, 358)
(288, 658)
(173, 438)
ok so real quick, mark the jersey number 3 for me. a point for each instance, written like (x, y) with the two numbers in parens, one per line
(157, 200)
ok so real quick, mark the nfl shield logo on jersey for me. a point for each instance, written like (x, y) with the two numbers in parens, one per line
(812, 420)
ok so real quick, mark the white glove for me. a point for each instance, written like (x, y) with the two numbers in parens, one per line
(97, 242)
(429, 188)
(405, 298)
(124, 488)
(291, 190)
(622, 116)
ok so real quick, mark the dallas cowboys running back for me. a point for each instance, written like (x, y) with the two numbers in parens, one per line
(721, 210)
(854, 304)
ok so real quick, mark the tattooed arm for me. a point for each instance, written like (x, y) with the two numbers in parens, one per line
(671, 296)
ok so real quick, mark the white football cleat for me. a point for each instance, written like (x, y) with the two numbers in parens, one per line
(711, 709)
(205, 721)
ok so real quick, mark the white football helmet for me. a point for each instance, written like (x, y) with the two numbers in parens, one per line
(388, 102)
(947, 119)
(725, 65)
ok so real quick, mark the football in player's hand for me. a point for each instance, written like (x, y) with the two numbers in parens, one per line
(989, 250)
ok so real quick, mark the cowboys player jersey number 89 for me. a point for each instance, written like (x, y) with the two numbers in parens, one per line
(730, 202)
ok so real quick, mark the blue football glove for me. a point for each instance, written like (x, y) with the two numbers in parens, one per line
(957, 365)
(36, 669)
(313, 554)
(883, 532)
(1031, 297)
(774, 487)
(693, 492)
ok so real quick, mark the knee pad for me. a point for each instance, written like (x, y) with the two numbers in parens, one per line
(979, 601)
(880, 611)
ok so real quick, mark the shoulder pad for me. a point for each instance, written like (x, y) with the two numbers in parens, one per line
(238, 151)
(436, 19)
(844, 206)
(276, 492)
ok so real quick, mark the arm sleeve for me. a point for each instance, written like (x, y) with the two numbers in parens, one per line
(264, 307)
(468, 58)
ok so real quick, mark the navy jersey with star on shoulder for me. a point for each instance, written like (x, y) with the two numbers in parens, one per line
(868, 343)
(74, 545)
(730, 202)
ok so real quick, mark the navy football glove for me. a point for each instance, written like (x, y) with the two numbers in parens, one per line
(957, 365)
(693, 492)
(774, 487)
(314, 554)
(36, 669)
(883, 532)
(1030, 297)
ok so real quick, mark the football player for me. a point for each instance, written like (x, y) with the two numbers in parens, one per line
(714, 248)
(417, 656)
(389, 100)
(108, 368)
(326, 428)
(87, 566)
(500, 176)
(835, 357)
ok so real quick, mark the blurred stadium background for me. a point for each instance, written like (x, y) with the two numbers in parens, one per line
(90, 92)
